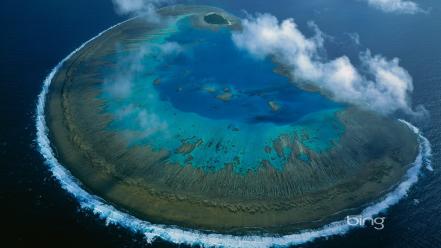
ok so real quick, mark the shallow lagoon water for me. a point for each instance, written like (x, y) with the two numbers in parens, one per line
(211, 64)
(205, 91)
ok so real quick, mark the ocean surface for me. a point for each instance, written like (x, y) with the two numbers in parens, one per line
(36, 36)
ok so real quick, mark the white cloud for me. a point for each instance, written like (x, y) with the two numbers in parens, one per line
(355, 37)
(140, 7)
(170, 48)
(118, 83)
(119, 86)
(396, 6)
(150, 123)
(381, 84)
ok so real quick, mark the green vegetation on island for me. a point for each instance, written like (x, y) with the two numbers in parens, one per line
(214, 18)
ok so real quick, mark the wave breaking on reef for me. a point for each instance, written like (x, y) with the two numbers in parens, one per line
(178, 235)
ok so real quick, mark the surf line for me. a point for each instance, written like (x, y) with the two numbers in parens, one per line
(177, 235)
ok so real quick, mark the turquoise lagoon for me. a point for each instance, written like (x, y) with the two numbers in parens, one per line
(193, 86)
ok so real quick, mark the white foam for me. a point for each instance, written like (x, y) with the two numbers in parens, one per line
(193, 237)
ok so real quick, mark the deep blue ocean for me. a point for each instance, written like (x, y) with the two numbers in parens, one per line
(36, 35)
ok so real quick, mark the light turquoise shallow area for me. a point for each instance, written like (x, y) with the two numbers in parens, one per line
(240, 130)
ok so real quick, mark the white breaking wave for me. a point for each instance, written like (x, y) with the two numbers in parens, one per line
(193, 237)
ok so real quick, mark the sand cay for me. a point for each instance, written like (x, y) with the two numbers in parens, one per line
(312, 186)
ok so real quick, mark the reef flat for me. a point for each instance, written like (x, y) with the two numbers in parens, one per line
(171, 151)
